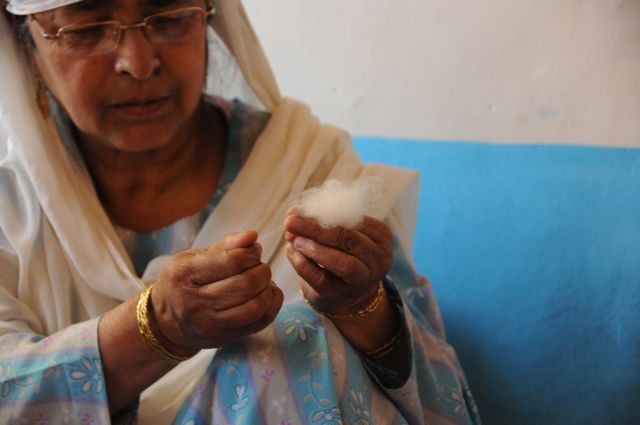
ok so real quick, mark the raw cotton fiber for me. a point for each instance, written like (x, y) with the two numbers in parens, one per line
(337, 203)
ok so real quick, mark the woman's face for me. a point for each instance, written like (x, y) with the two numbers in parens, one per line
(138, 97)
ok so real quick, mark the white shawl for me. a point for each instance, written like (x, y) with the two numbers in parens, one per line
(61, 261)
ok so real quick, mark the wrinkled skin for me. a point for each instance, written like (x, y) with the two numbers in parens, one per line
(205, 298)
(339, 268)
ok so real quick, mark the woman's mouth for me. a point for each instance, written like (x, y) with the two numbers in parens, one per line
(149, 107)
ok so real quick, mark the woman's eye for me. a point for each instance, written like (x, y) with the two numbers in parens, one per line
(85, 36)
(173, 28)
(167, 22)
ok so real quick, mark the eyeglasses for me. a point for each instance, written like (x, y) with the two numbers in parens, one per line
(103, 37)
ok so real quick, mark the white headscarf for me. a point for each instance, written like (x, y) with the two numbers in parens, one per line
(27, 7)
(72, 265)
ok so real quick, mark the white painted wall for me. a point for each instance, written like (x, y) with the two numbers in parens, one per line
(540, 71)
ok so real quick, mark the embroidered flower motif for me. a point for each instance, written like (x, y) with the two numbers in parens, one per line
(413, 293)
(470, 400)
(53, 371)
(87, 419)
(89, 374)
(265, 355)
(67, 415)
(316, 358)
(357, 407)
(453, 399)
(300, 326)
(268, 374)
(278, 403)
(459, 407)
(7, 376)
(242, 398)
(22, 384)
(329, 416)
(85, 333)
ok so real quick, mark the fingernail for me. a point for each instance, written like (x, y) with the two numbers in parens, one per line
(302, 243)
(287, 221)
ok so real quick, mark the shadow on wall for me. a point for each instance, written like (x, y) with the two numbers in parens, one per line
(534, 255)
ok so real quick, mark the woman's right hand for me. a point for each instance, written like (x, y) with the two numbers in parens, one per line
(206, 298)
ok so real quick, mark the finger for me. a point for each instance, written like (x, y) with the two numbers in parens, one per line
(345, 266)
(347, 240)
(266, 320)
(376, 230)
(238, 240)
(380, 234)
(350, 241)
(247, 313)
(319, 279)
(289, 237)
(277, 299)
(237, 289)
(210, 265)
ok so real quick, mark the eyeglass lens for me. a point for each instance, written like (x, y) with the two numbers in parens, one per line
(170, 27)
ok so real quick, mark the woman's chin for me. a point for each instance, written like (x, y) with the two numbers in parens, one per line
(140, 140)
(137, 147)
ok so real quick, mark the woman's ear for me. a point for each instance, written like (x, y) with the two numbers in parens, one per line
(41, 93)
(39, 86)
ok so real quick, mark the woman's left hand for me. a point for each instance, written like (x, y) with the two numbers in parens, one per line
(340, 268)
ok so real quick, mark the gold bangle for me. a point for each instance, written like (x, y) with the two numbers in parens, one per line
(387, 347)
(360, 313)
(147, 335)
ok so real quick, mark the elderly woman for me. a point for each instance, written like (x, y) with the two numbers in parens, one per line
(133, 195)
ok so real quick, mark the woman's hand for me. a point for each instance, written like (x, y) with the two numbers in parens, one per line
(340, 268)
(209, 297)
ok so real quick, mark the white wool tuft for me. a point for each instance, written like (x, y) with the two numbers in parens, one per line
(336, 203)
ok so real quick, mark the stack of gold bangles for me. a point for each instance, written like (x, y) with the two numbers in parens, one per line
(149, 338)
(376, 353)
(388, 347)
(360, 313)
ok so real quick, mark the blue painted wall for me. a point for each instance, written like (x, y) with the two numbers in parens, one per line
(534, 254)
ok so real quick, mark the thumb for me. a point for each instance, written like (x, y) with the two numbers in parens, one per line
(242, 239)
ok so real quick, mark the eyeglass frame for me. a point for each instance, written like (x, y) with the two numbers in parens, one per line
(120, 28)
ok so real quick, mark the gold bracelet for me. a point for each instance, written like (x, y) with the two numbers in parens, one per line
(388, 347)
(147, 335)
(360, 313)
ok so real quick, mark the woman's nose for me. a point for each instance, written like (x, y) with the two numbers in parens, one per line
(136, 55)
